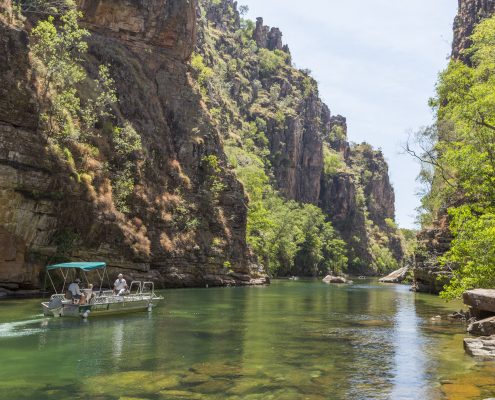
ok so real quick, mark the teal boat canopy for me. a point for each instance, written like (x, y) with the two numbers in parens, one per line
(85, 266)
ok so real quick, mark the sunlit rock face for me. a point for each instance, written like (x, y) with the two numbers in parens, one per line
(296, 145)
(470, 13)
(46, 214)
(166, 24)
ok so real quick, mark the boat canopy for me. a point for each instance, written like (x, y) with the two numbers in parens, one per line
(85, 266)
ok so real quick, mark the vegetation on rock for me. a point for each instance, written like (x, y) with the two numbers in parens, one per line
(70, 111)
(459, 163)
(263, 106)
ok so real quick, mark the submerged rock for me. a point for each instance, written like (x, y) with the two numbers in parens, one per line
(335, 279)
(480, 347)
(485, 327)
(397, 276)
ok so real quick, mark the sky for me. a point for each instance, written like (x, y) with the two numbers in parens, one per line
(376, 63)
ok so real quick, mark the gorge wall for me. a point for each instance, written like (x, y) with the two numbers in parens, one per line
(171, 233)
(172, 229)
(435, 239)
(470, 13)
(308, 153)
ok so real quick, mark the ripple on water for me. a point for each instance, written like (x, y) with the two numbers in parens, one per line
(20, 328)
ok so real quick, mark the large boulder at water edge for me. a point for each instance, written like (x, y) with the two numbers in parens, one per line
(480, 300)
(334, 279)
(397, 276)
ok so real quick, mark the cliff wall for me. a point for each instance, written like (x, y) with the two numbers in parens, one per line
(470, 13)
(267, 89)
(434, 240)
(172, 232)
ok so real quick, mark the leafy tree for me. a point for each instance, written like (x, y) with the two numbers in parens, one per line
(463, 157)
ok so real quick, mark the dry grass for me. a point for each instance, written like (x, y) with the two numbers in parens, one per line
(166, 243)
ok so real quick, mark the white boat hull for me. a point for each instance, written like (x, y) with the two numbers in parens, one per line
(114, 305)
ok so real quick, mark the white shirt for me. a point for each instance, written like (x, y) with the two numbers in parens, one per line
(74, 289)
(120, 284)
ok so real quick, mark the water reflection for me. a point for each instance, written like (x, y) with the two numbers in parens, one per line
(294, 340)
(409, 358)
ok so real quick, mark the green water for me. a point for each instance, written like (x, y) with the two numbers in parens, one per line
(291, 340)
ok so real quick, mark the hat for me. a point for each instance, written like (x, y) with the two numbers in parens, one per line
(77, 280)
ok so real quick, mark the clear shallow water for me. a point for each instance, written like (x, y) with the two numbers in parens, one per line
(291, 340)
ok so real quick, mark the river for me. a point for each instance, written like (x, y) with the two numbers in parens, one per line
(291, 340)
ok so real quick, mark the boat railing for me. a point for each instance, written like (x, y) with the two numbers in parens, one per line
(136, 287)
(57, 296)
(148, 287)
(138, 290)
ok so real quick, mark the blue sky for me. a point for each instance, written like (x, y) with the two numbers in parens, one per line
(376, 62)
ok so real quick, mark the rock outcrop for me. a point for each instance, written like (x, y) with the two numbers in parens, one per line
(429, 275)
(268, 38)
(481, 347)
(434, 240)
(396, 277)
(480, 300)
(46, 214)
(469, 14)
(335, 279)
(267, 87)
(484, 327)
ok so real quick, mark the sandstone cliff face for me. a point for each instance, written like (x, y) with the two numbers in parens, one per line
(434, 241)
(172, 234)
(470, 13)
(360, 202)
(298, 126)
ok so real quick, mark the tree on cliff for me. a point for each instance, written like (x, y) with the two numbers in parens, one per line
(465, 108)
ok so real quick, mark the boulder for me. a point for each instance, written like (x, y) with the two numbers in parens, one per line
(480, 347)
(334, 279)
(485, 327)
(397, 276)
(480, 299)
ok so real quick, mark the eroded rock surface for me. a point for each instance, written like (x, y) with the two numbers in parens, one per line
(44, 210)
(484, 327)
(469, 14)
(480, 299)
(483, 347)
(397, 276)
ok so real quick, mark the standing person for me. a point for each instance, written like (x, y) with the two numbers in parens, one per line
(120, 285)
(77, 295)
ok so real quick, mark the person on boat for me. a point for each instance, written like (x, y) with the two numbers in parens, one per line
(89, 293)
(77, 295)
(120, 285)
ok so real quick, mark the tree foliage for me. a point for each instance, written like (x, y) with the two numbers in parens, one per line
(72, 103)
(463, 157)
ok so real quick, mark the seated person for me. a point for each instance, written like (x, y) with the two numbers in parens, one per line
(77, 296)
(120, 285)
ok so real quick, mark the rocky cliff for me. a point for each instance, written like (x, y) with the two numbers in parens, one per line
(309, 156)
(183, 220)
(434, 240)
(172, 231)
(470, 13)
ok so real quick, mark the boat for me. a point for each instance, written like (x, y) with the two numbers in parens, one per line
(140, 296)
